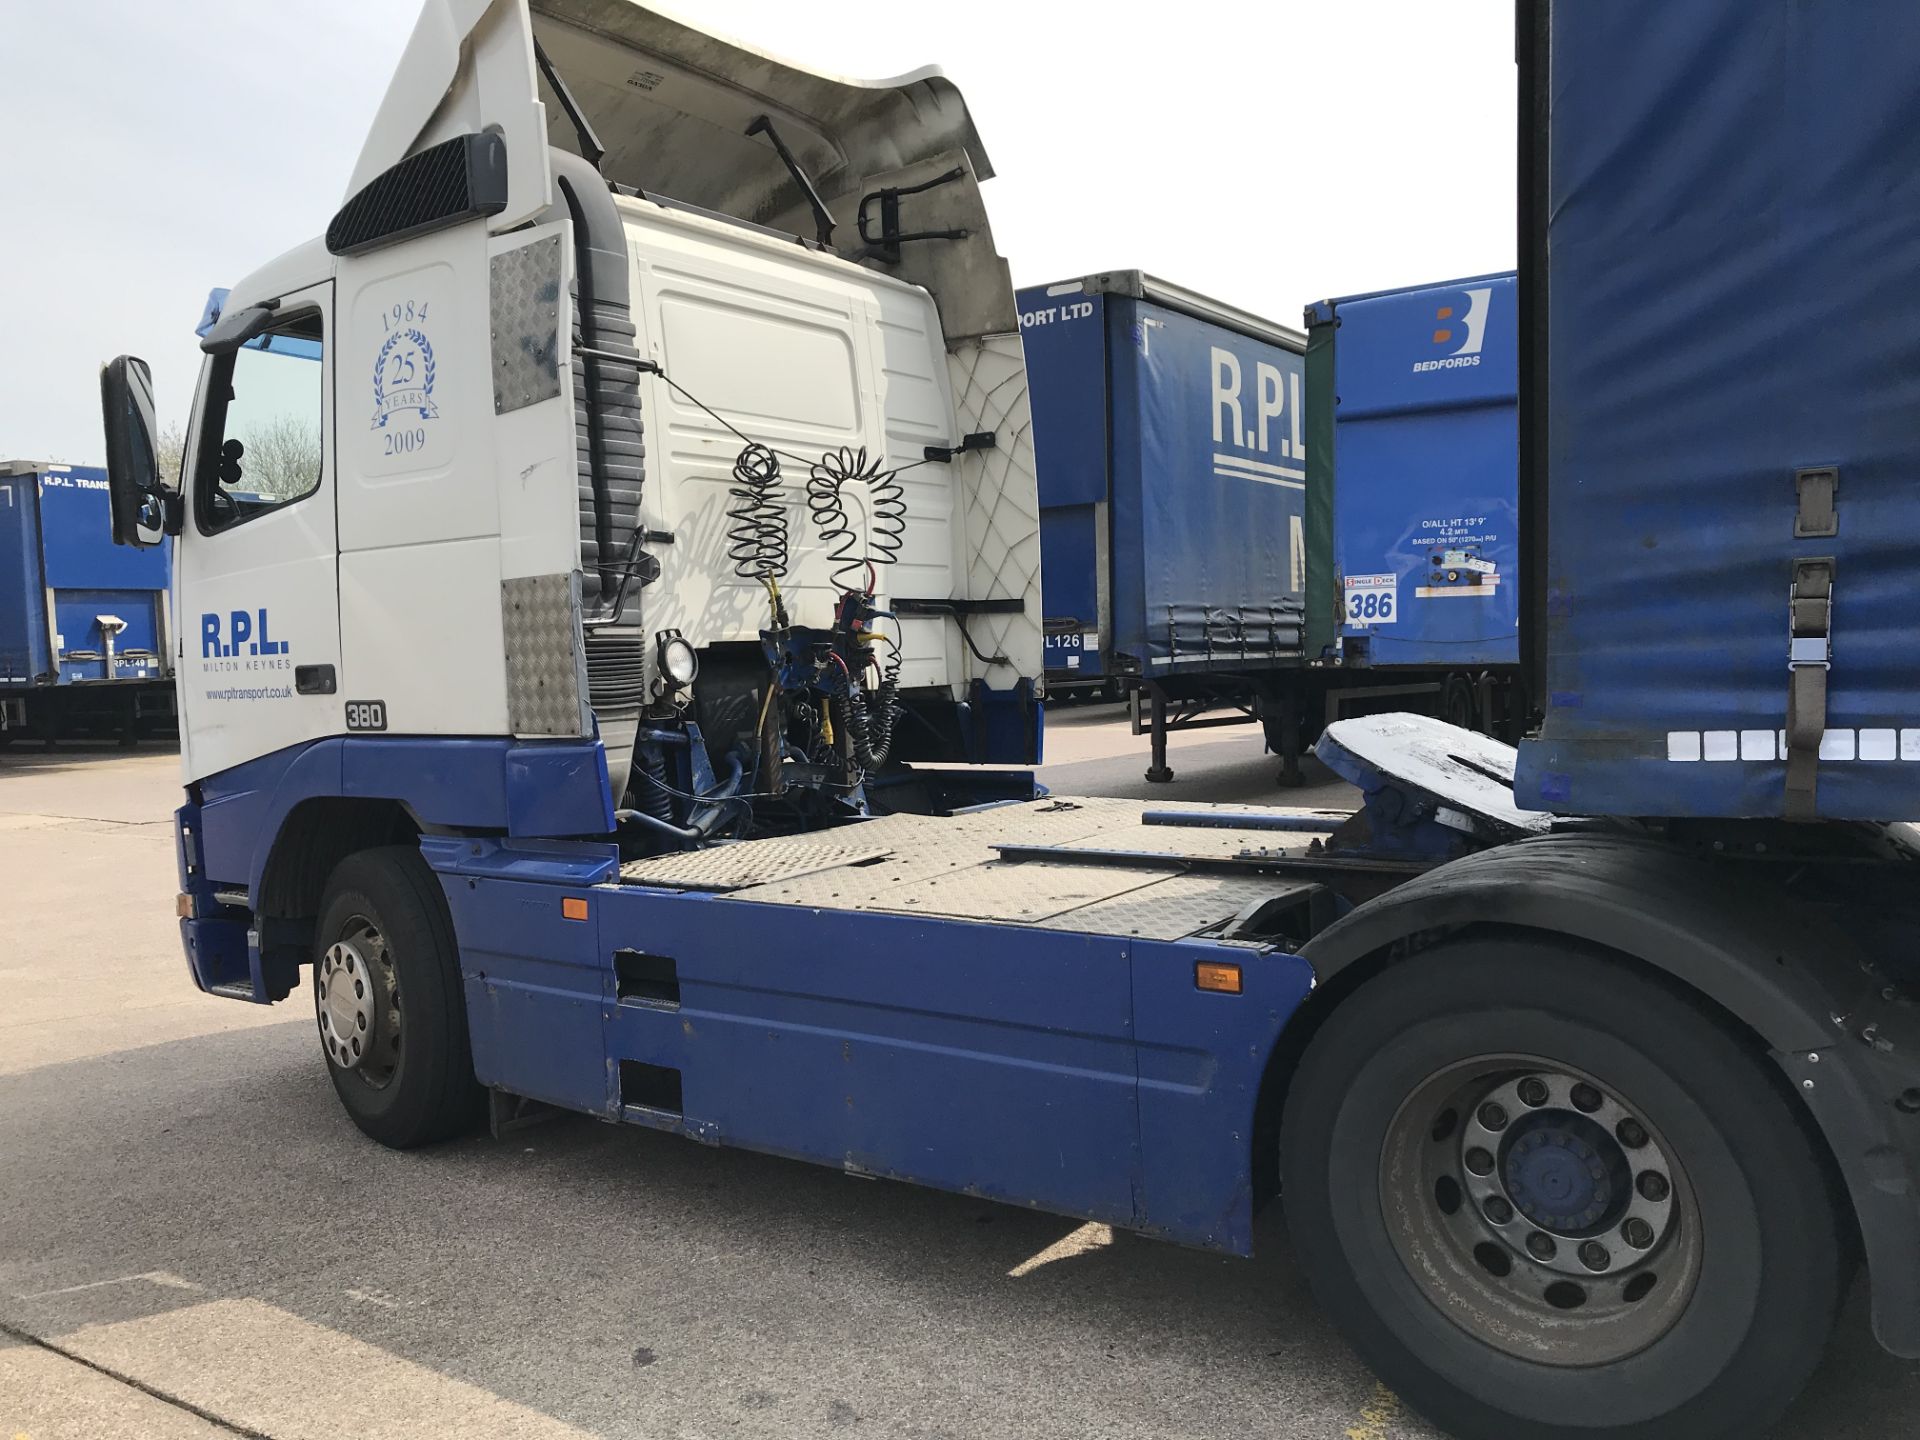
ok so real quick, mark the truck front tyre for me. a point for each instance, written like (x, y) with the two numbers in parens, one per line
(1546, 1194)
(386, 990)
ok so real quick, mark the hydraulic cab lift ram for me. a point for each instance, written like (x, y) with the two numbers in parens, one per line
(593, 556)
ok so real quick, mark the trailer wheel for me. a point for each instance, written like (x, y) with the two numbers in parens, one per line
(1546, 1194)
(387, 999)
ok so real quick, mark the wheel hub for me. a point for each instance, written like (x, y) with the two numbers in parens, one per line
(1514, 1188)
(1565, 1174)
(349, 1009)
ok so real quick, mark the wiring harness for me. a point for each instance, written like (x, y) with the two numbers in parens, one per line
(827, 719)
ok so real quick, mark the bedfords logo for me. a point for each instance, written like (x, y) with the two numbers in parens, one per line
(1472, 332)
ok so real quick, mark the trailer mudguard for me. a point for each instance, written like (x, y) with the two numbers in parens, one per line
(1810, 987)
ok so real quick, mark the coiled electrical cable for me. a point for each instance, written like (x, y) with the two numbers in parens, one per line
(883, 709)
(757, 522)
(867, 716)
(827, 479)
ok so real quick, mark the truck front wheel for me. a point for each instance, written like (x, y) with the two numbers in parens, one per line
(1547, 1194)
(386, 994)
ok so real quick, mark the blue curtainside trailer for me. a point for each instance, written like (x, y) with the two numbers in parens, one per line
(1420, 464)
(83, 622)
(1169, 431)
(1727, 377)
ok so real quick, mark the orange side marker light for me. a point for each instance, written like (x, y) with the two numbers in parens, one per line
(1217, 976)
(573, 907)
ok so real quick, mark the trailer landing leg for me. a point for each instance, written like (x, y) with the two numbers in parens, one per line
(1158, 772)
(1290, 776)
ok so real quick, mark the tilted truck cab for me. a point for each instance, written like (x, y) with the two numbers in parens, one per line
(583, 546)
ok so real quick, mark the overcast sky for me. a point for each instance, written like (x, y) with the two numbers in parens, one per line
(1268, 153)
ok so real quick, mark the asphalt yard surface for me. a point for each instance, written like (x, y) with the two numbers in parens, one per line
(195, 1242)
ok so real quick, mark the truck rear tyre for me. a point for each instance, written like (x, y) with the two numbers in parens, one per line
(1546, 1194)
(387, 999)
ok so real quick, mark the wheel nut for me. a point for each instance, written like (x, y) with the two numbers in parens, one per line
(1631, 1133)
(1499, 1211)
(1541, 1247)
(1479, 1161)
(1594, 1255)
(1586, 1099)
(1533, 1092)
(1653, 1186)
(1493, 1116)
(1637, 1233)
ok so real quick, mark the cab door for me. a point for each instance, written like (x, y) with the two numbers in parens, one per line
(257, 607)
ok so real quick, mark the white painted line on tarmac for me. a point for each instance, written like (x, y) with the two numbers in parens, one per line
(149, 1277)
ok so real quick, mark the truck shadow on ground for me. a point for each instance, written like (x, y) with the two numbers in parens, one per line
(27, 755)
(602, 1274)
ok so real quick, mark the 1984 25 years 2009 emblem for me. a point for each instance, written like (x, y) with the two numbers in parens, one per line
(403, 369)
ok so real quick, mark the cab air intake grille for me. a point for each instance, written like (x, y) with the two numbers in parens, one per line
(458, 179)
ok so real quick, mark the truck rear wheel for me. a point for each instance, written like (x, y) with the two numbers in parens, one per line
(1546, 1194)
(386, 994)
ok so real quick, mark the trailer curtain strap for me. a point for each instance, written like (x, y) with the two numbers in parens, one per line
(1808, 658)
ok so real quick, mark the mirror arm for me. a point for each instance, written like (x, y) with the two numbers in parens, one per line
(235, 328)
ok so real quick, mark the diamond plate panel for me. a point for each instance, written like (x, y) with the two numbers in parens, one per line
(926, 865)
(924, 847)
(740, 867)
(524, 320)
(546, 667)
(835, 868)
(1012, 894)
(1171, 908)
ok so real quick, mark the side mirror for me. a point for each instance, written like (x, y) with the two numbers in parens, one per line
(141, 508)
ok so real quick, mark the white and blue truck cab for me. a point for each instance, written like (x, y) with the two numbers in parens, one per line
(606, 580)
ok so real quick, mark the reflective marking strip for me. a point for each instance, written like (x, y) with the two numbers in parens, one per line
(1879, 744)
(1883, 743)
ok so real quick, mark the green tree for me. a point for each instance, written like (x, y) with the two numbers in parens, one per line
(172, 447)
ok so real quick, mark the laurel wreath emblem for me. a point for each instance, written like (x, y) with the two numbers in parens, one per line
(425, 385)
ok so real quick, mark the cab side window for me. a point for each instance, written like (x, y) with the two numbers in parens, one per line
(262, 438)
